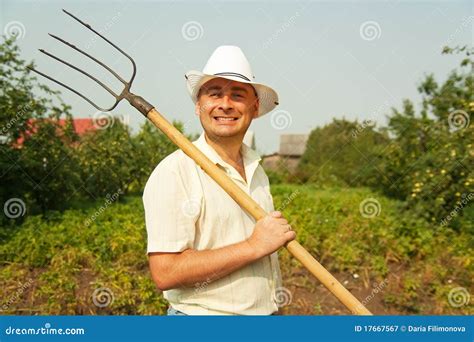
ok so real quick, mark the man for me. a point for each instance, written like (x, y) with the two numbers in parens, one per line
(208, 255)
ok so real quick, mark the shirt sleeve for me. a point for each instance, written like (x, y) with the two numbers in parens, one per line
(170, 213)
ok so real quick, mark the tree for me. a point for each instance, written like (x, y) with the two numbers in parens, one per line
(33, 163)
(107, 160)
(341, 152)
(430, 161)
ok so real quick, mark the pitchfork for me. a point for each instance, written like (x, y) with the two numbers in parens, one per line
(244, 200)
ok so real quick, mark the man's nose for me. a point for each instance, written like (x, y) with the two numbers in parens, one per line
(226, 103)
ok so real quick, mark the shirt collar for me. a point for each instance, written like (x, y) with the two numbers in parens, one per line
(250, 156)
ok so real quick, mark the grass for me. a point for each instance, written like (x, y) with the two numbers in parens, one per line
(53, 265)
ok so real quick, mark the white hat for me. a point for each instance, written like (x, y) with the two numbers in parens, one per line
(230, 62)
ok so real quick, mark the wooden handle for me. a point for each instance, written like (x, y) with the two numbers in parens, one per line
(254, 209)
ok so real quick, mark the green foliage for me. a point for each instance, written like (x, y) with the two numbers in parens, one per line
(50, 165)
(42, 170)
(18, 102)
(68, 256)
(107, 160)
(68, 260)
(429, 163)
(279, 175)
(419, 264)
(341, 152)
(46, 165)
(424, 159)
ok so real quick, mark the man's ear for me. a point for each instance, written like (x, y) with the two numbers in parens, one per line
(257, 106)
(197, 108)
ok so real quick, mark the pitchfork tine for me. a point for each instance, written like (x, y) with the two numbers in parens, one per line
(89, 56)
(108, 41)
(136, 101)
(81, 71)
(69, 88)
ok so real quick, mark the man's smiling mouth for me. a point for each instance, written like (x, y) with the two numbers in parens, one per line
(224, 118)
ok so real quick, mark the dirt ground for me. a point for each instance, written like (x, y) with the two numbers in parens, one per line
(310, 297)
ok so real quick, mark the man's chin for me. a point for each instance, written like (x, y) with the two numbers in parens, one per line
(226, 133)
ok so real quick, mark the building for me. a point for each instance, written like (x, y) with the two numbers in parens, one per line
(292, 147)
(81, 127)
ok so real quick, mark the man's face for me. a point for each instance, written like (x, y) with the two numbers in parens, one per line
(226, 108)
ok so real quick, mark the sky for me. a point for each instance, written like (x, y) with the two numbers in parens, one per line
(326, 59)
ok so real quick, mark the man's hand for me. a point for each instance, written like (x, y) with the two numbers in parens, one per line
(270, 233)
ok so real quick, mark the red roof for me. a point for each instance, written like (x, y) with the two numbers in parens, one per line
(81, 126)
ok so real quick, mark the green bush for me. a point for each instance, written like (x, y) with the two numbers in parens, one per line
(67, 256)
(425, 159)
(37, 164)
(341, 152)
(50, 167)
(419, 264)
(107, 160)
(429, 162)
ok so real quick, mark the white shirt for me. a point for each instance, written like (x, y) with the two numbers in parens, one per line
(185, 208)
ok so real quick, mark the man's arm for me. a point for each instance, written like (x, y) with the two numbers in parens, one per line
(185, 269)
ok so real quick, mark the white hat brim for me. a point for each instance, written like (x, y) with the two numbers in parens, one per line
(268, 98)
